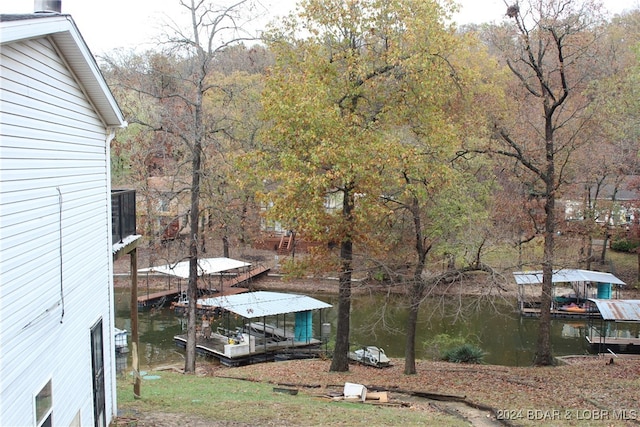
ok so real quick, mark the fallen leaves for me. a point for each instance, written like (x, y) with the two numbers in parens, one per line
(584, 384)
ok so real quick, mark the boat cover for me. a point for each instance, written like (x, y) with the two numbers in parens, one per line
(206, 266)
(262, 303)
(618, 310)
(566, 275)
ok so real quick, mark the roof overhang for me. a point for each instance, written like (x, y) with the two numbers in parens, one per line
(618, 310)
(258, 304)
(125, 246)
(64, 34)
(566, 275)
(206, 267)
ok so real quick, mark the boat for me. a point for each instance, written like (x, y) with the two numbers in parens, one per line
(370, 355)
(574, 308)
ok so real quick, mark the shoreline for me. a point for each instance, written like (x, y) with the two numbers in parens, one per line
(277, 282)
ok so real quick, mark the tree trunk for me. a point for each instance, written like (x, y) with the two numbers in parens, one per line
(203, 245)
(192, 288)
(605, 243)
(589, 251)
(543, 355)
(192, 291)
(225, 246)
(340, 361)
(417, 291)
(637, 227)
(638, 251)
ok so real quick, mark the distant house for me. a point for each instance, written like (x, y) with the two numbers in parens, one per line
(613, 204)
(163, 208)
(57, 117)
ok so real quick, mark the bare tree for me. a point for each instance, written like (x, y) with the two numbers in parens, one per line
(213, 29)
(187, 103)
(547, 46)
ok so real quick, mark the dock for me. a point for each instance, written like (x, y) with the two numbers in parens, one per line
(558, 314)
(228, 286)
(254, 340)
(621, 342)
(253, 349)
(618, 329)
(571, 288)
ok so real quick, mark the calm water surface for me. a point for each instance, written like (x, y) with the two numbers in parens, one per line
(506, 338)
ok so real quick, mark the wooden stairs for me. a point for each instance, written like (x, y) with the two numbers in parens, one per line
(286, 244)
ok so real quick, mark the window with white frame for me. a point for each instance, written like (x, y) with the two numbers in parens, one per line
(43, 403)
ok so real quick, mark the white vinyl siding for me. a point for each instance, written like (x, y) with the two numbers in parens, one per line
(50, 138)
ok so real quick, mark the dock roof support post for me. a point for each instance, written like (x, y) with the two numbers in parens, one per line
(264, 333)
(134, 321)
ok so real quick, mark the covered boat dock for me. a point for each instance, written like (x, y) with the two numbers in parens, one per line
(617, 327)
(215, 275)
(571, 290)
(259, 326)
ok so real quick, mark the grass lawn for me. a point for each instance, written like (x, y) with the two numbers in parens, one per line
(175, 396)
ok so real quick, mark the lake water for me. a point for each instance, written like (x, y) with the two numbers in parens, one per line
(494, 326)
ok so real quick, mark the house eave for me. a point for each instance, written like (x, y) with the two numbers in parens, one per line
(64, 34)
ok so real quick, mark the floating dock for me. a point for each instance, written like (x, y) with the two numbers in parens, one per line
(618, 327)
(558, 314)
(619, 342)
(253, 349)
(257, 329)
(571, 290)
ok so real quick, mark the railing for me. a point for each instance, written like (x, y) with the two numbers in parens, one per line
(123, 214)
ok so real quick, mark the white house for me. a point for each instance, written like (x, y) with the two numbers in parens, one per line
(57, 117)
(615, 202)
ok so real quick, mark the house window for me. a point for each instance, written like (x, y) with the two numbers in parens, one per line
(163, 205)
(44, 406)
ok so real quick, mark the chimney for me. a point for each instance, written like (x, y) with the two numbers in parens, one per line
(48, 6)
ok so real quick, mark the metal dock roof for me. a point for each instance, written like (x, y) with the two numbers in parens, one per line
(566, 275)
(618, 310)
(206, 266)
(253, 305)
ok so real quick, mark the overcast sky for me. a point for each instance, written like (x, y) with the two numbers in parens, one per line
(110, 24)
